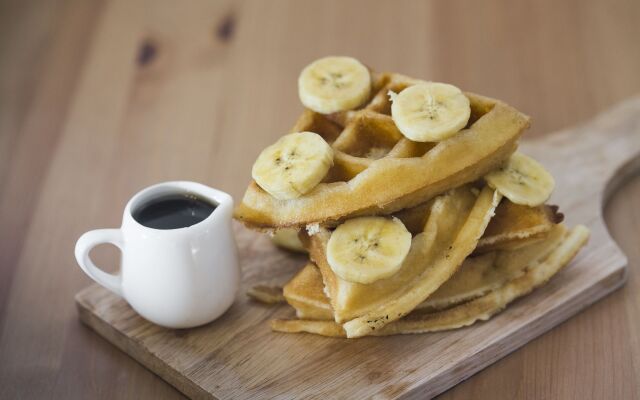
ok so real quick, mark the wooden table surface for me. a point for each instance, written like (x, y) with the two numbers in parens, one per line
(101, 98)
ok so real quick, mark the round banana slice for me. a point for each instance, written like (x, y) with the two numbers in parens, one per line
(333, 84)
(367, 249)
(522, 180)
(288, 238)
(430, 111)
(293, 165)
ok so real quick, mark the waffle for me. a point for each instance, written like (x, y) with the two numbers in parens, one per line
(455, 223)
(305, 293)
(370, 152)
(515, 273)
(512, 227)
(454, 252)
(516, 225)
(476, 277)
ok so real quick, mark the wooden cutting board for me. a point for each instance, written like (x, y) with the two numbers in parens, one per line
(238, 357)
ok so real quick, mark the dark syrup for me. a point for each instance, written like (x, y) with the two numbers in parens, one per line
(173, 211)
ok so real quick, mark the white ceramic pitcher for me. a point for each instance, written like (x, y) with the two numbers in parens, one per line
(177, 278)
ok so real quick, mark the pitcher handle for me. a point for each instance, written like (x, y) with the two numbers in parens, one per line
(87, 242)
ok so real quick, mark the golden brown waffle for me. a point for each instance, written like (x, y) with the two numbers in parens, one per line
(379, 171)
(512, 227)
(455, 222)
(476, 277)
(305, 293)
(516, 225)
(519, 271)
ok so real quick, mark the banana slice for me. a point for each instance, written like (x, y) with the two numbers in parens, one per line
(293, 165)
(334, 84)
(288, 239)
(430, 111)
(366, 249)
(522, 180)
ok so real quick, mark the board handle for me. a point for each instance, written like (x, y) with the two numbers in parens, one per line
(617, 179)
(617, 139)
(598, 156)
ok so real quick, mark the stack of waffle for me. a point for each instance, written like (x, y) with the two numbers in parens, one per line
(416, 210)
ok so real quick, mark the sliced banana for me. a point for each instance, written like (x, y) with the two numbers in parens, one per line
(293, 165)
(334, 84)
(288, 239)
(367, 249)
(522, 180)
(430, 111)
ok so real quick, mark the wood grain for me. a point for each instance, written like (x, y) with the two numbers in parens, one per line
(238, 358)
(84, 124)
